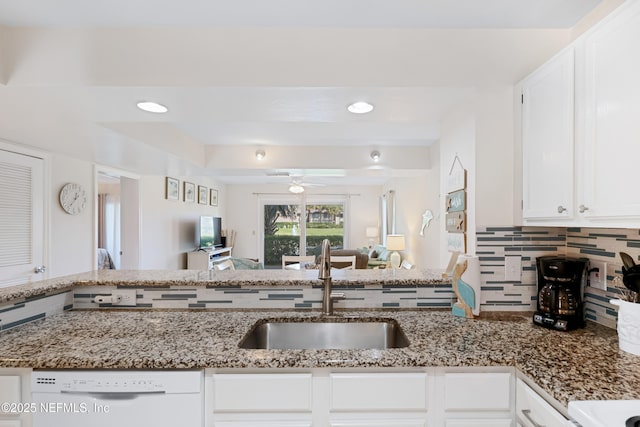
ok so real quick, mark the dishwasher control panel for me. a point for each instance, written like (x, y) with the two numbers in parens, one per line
(87, 381)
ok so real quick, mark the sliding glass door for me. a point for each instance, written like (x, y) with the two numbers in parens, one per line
(297, 226)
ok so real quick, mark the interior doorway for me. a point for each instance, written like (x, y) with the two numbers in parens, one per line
(117, 220)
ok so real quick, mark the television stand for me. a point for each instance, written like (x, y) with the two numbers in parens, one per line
(205, 259)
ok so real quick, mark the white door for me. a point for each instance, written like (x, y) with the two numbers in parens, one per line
(612, 119)
(21, 218)
(548, 140)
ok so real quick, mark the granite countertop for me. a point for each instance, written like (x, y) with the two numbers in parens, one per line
(577, 365)
(214, 278)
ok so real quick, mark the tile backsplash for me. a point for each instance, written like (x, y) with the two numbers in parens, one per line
(494, 244)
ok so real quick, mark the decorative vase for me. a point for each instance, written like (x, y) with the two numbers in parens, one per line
(466, 285)
(628, 326)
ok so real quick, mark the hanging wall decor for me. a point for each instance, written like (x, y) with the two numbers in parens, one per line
(456, 206)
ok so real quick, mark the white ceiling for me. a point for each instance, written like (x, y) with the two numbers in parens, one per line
(256, 73)
(297, 13)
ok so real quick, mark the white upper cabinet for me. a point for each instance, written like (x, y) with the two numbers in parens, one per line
(581, 130)
(612, 120)
(547, 139)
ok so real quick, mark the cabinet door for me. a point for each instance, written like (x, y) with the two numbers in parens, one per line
(477, 392)
(532, 410)
(379, 423)
(478, 423)
(548, 140)
(10, 389)
(378, 392)
(262, 393)
(612, 118)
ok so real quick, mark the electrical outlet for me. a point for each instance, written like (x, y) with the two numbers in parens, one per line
(127, 297)
(598, 279)
(513, 268)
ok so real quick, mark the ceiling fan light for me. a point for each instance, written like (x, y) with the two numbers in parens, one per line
(375, 155)
(360, 107)
(152, 107)
(296, 188)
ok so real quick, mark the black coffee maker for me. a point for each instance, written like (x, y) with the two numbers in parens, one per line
(560, 292)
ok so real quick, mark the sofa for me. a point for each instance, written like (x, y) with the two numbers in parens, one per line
(378, 257)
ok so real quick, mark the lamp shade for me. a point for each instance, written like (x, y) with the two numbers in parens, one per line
(372, 232)
(395, 242)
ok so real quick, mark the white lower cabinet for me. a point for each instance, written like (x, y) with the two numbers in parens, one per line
(394, 399)
(476, 399)
(264, 400)
(424, 397)
(532, 410)
(14, 390)
(478, 423)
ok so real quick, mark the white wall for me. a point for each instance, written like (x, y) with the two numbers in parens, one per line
(413, 197)
(169, 226)
(71, 236)
(494, 181)
(481, 133)
(458, 138)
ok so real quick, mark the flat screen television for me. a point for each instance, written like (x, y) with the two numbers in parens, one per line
(209, 232)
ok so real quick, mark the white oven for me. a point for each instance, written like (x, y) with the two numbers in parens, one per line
(116, 398)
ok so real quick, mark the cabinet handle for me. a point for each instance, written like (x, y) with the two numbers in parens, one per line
(583, 208)
(561, 209)
(527, 415)
(40, 269)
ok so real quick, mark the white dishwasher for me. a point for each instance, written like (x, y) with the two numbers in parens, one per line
(116, 398)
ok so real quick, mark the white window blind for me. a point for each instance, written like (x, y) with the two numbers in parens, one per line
(16, 215)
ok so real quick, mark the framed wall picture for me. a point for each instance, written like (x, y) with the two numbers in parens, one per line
(172, 190)
(189, 192)
(213, 197)
(203, 192)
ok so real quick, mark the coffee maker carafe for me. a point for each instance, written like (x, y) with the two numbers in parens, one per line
(560, 292)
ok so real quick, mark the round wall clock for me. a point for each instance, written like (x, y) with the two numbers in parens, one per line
(73, 198)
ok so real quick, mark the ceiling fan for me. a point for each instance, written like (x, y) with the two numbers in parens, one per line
(297, 185)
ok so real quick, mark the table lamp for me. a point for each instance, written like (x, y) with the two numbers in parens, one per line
(372, 233)
(395, 243)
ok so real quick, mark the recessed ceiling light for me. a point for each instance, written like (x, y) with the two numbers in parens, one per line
(360, 107)
(260, 154)
(375, 155)
(152, 107)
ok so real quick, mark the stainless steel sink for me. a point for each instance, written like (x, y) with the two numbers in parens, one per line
(359, 334)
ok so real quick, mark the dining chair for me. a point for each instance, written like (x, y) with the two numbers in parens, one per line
(342, 262)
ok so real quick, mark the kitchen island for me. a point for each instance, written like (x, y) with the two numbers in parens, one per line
(582, 364)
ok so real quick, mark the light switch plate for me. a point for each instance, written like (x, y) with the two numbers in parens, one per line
(513, 268)
(598, 279)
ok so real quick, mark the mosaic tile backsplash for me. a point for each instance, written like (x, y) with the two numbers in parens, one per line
(599, 244)
(494, 244)
(16, 313)
(176, 297)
